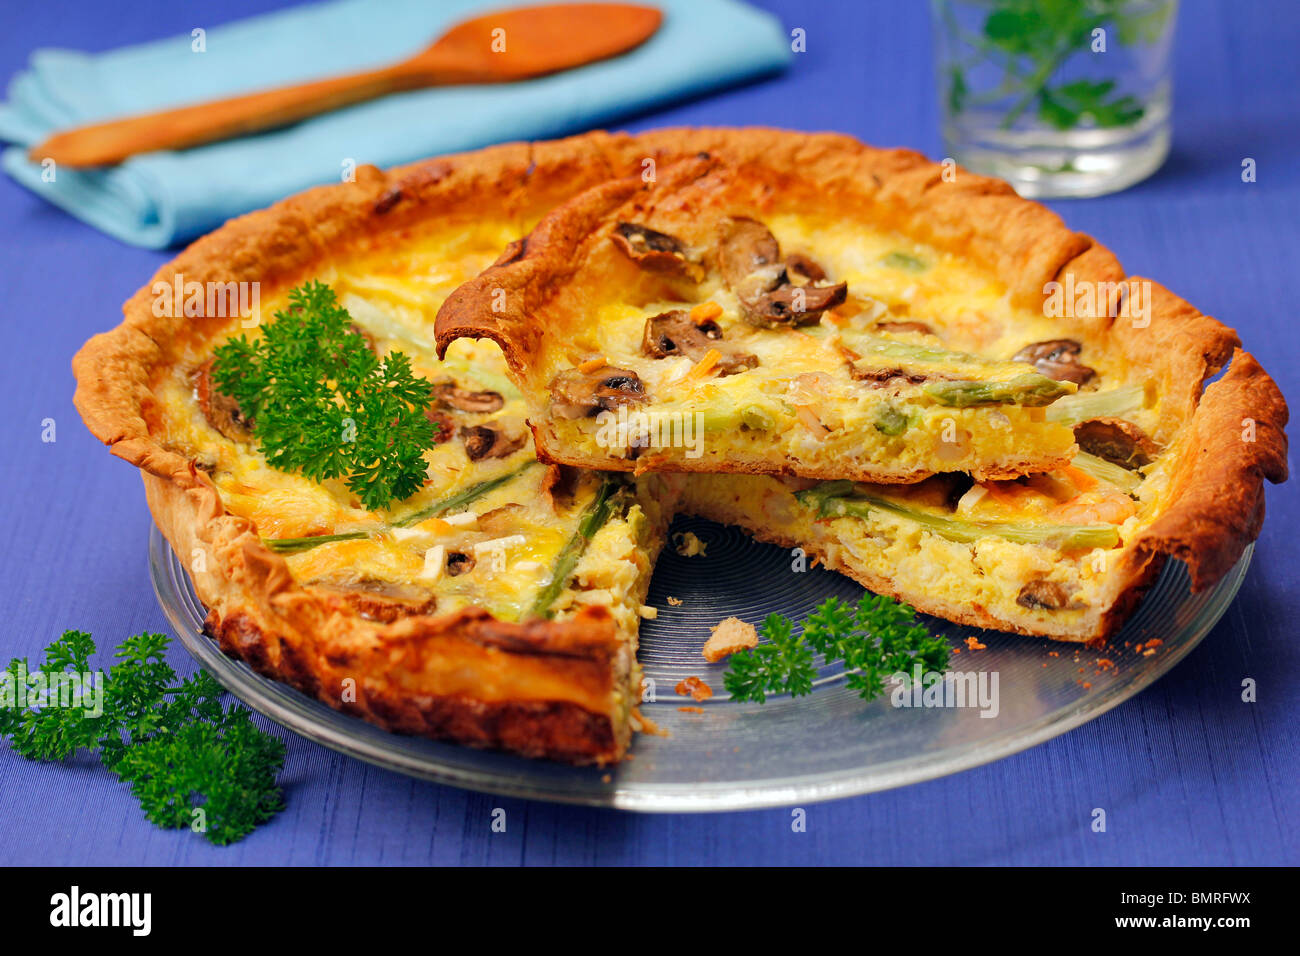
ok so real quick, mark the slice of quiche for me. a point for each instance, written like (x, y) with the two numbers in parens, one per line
(974, 409)
(721, 320)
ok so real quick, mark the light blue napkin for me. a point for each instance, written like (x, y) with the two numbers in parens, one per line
(159, 199)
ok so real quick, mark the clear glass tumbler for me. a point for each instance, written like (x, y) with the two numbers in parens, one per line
(1058, 97)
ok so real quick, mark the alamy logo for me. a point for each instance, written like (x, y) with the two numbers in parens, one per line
(651, 430)
(213, 300)
(1123, 300)
(21, 690)
(947, 689)
(75, 908)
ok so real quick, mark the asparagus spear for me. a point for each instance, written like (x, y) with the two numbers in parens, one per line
(1029, 389)
(464, 497)
(593, 519)
(1106, 471)
(902, 260)
(831, 503)
(867, 344)
(461, 498)
(890, 421)
(294, 545)
(1026, 388)
(1115, 403)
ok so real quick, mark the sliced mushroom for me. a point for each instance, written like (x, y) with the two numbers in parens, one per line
(580, 394)
(794, 304)
(560, 484)
(221, 410)
(1057, 359)
(674, 333)
(897, 328)
(379, 600)
(654, 250)
(446, 427)
(458, 563)
(801, 269)
(449, 394)
(1117, 441)
(204, 461)
(749, 258)
(500, 520)
(490, 441)
(888, 375)
(1047, 595)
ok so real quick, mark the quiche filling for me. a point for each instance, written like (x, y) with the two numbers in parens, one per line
(491, 527)
(1035, 552)
(845, 353)
(914, 373)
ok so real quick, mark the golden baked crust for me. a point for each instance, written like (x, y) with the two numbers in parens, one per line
(557, 683)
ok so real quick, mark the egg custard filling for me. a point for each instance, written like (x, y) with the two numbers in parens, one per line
(490, 526)
(798, 344)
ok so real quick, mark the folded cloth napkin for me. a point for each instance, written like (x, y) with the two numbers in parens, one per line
(158, 199)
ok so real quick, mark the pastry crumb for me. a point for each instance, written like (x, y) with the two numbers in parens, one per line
(675, 602)
(729, 635)
(694, 687)
(643, 724)
(974, 644)
(648, 612)
(688, 545)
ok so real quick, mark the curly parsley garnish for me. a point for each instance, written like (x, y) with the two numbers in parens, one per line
(323, 404)
(190, 762)
(876, 638)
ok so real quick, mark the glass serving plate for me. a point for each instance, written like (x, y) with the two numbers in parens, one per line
(732, 756)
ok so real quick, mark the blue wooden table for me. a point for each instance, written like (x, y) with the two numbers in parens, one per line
(1187, 772)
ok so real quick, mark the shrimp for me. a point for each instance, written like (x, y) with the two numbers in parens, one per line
(1103, 506)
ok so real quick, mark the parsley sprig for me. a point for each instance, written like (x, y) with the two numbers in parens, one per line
(323, 404)
(876, 638)
(171, 740)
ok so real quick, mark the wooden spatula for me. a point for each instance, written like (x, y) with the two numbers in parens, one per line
(494, 48)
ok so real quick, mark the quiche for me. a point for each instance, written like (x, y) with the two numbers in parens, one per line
(497, 606)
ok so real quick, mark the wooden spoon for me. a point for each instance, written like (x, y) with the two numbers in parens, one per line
(494, 48)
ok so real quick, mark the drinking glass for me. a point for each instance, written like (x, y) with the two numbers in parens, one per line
(1058, 97)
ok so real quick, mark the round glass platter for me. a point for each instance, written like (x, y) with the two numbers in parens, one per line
(1003, 693)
